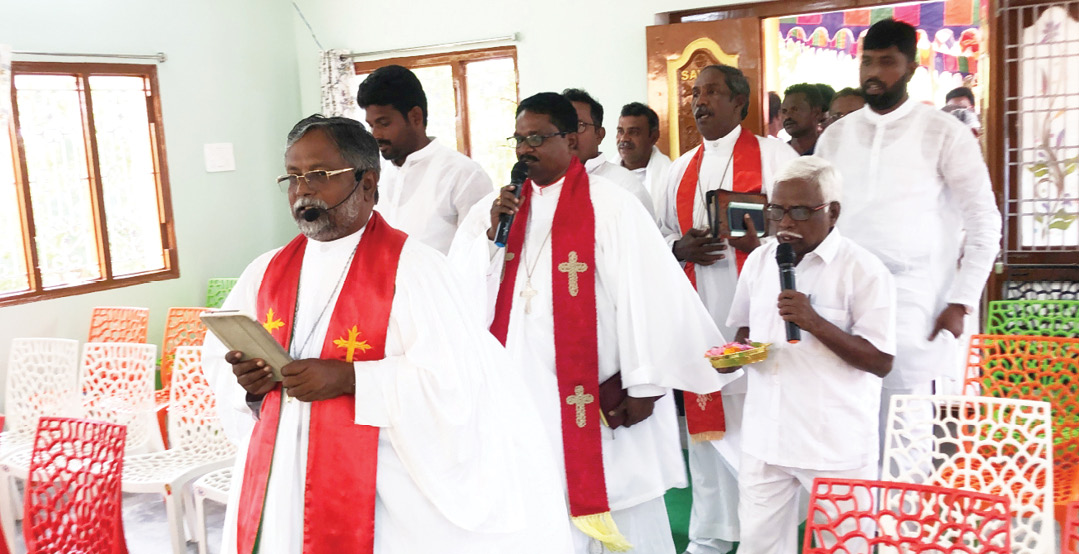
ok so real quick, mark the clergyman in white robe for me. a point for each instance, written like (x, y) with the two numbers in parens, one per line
(460, 469)
(651, 327)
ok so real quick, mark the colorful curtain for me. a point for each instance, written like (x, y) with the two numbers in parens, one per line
(337, 72)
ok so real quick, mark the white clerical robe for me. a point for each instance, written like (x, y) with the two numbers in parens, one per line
(459, 469)
(914, 179)
(654, 175)
(621, 177)
(431, 193)
(651, 327)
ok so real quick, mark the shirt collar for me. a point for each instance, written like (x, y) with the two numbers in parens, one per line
(549, 189)
(883, 119)
(423, 153)
(595, 163)
(828, 248)
(725, 142)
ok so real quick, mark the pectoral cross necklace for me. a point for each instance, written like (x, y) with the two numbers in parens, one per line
(528, 291)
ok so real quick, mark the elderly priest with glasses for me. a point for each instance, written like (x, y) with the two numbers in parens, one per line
(396, 428)
(599, 321)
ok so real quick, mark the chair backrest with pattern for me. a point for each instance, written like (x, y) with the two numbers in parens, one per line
(989, 445)
(217, 290)
(856, 516)
(1051, 318)
(73, 496)
(1070, 532)
(118, 387)
(194, 423)
(42, 380)
(182, 328)
(119, 324)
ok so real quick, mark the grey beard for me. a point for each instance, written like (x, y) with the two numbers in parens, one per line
(331, 224)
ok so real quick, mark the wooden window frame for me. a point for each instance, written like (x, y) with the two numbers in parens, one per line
(456, 61)
(83, 71)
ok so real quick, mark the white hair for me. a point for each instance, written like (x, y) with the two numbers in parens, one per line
(813, 170)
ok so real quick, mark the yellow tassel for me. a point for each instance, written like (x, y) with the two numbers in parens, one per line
(602, 528)
(707, 436)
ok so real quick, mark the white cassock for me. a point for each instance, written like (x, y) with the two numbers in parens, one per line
(652, 328)
(918, 169)
(623, 178)
(715, 486)
(654, 175)
(431, 193)
(459, 469)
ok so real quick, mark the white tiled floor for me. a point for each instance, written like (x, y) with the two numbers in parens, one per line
(146, 528)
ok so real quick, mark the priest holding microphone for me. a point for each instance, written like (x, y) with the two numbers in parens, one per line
(812, 406)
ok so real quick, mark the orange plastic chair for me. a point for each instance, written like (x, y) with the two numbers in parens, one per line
(1070, 534)
(1028, 367)
(119, 324)
(182, 328)
(73, 499)
(856, 516)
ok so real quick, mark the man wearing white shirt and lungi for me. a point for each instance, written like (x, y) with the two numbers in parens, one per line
(731, 158)
(918, 197)
(812, 405)
(426, 187)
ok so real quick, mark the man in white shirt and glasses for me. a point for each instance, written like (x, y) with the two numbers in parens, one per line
(919, 195)
(812, 405)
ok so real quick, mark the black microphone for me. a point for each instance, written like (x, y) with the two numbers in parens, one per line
(785, 259)
(517, 178)
(314, 212)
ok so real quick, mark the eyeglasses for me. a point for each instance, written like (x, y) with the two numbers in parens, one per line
(314, 179)
(535, 141)
(775, 212)
(582, 126)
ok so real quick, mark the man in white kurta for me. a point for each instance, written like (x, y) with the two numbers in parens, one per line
(637, 134)
(590, 133)
(454, 473)
(426, 187)
(651, 328)
(811, 407)
(713, 464)
(916, 181)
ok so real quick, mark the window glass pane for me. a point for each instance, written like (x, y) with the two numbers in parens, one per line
(492, 101)
(128, 178)
(437, 82)
(13, 276)
(50, 118)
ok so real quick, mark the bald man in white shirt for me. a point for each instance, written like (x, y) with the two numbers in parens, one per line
(811, 407)
(920, 199)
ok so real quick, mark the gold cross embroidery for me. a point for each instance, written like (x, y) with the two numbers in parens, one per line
(572, 267)
(351, 345)
(271, 324)
(703, 400)
(579, 400)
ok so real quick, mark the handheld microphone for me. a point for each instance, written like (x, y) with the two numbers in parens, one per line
(314, 212)
(517, 178)
(785, 259)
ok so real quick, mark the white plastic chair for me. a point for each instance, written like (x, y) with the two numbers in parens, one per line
(199, 446)
(990, 445)
(42, 380)
(213, 486)
(117, 387)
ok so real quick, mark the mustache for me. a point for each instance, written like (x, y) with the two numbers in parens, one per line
(527, 158)
(306, 202)
(384, 142)
(625, 145)
(789, 235)
(701, 111)
(877, 82)
(789, 122)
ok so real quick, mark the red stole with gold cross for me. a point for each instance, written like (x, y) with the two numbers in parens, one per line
(576, 345)
(339, 491)
(704, 412)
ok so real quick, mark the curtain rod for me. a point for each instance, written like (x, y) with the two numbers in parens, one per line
(506, 38)
(159, 57)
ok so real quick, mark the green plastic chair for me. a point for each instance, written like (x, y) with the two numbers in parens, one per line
(217, 290)
(1046, 318)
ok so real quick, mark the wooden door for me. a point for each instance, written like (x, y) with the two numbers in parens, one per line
(677, 52)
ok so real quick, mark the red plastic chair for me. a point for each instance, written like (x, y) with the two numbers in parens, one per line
(1035, 368)
(1069, 543)
(853, 516)
(73, 498)
(182, 328)
(119, 324)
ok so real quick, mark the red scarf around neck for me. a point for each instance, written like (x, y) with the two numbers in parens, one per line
(573, 295)
(704, 412)
(342, 457)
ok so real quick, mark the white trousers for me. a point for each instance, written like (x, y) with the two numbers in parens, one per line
(769, 502)
(713, 520)
(645, 525)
